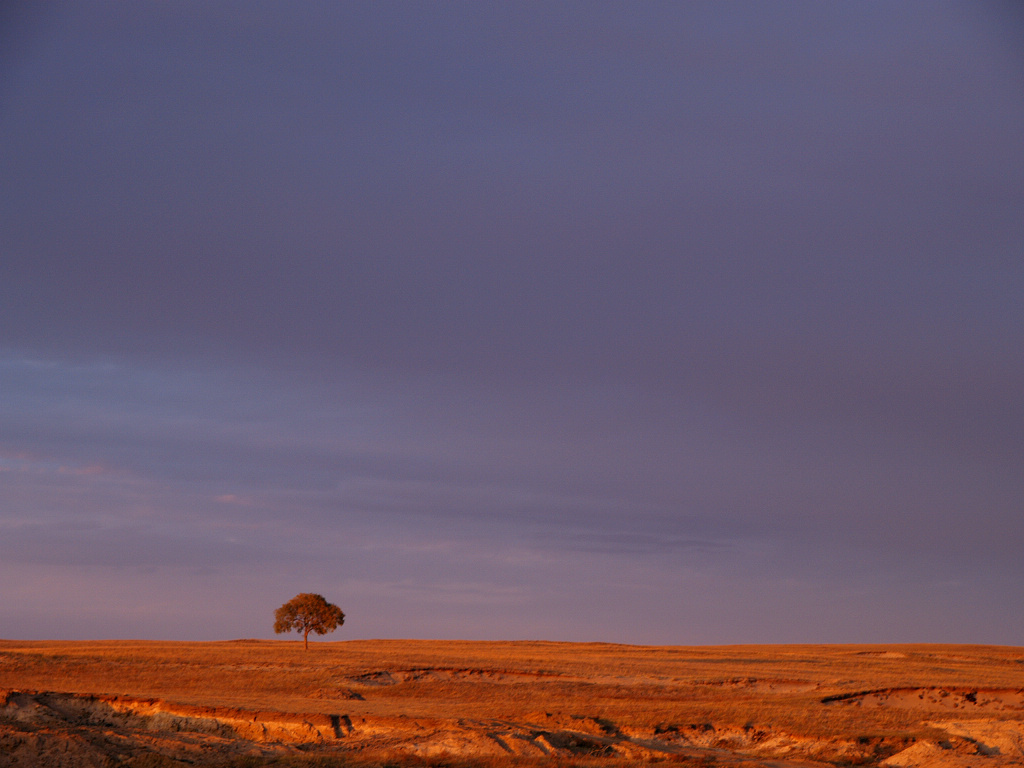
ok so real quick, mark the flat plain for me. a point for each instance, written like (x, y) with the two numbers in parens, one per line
(453, 703)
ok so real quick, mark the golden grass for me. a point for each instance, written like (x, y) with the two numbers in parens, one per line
(630, 687)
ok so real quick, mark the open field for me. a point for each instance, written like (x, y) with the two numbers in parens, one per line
(398, 702)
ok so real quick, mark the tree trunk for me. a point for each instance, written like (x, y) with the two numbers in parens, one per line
(305, 639)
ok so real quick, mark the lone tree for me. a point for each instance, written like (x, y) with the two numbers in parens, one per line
(307, 613)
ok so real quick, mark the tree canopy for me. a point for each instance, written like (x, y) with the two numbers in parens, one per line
(307, 613)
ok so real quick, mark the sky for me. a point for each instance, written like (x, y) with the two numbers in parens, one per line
(636, 322)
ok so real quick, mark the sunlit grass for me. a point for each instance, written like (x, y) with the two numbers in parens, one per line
(636, 688)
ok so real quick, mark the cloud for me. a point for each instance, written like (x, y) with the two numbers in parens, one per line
(675, 298)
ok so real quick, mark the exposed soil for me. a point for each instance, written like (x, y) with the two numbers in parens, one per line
(935, 699)
(61, 729)
(441, 674)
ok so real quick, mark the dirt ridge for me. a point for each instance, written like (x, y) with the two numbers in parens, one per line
(934, 697)
(44, 723)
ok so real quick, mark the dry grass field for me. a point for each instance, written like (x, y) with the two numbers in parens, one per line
(448, 703)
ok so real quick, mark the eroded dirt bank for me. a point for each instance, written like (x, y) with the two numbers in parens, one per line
(62, 729)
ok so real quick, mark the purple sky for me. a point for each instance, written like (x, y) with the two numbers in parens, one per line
(636, 322)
